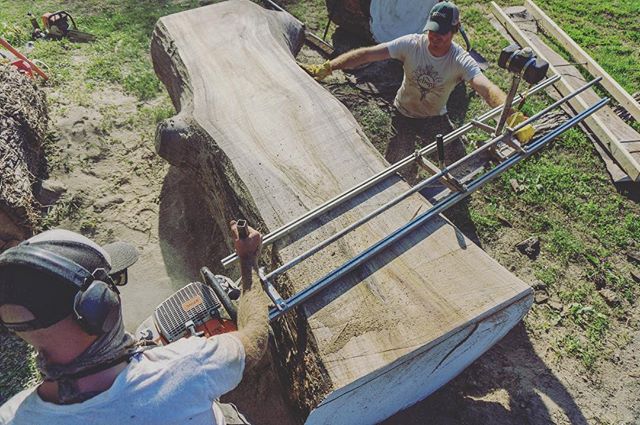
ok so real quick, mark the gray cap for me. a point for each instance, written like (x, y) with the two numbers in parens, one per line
(114, 257)
(33, 275)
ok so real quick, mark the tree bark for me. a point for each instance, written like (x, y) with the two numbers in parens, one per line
(23, 125)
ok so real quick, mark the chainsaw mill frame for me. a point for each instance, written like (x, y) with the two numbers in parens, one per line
(455, 190)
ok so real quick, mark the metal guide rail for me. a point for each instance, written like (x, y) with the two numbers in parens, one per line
(387, 172)
(457, 189)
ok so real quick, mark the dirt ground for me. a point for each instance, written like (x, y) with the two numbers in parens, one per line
(123, 190)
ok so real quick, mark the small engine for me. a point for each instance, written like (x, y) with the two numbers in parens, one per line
(198, 309)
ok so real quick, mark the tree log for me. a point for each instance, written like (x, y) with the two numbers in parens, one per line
(267, 143)
(23, 125)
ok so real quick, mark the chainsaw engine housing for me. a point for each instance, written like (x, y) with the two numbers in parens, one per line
(196, 303)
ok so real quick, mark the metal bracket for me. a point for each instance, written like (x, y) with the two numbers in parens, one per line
(271, 290)
(447, 179)
(482, 126)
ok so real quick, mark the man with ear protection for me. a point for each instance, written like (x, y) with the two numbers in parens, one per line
(433, 66)
(58, 292)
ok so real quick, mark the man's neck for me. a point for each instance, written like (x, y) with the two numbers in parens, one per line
(96, 383)
(439, 52)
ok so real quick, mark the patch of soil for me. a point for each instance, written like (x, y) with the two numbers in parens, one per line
(123, 190)
(107, 165)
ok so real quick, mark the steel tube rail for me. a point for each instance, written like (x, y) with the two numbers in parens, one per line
(293, 262)
(524, 123)
(361, 187)
(452, 199)
(556, 104)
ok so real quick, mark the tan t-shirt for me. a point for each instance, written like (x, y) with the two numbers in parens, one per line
(428, 80)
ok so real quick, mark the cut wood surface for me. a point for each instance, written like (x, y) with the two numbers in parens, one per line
(578, 54)
(268, 143)
(621, 141)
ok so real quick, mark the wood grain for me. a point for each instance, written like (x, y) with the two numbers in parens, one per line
(268, 143)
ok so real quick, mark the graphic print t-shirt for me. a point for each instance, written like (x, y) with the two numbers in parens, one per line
(171, 385)
(428, 80)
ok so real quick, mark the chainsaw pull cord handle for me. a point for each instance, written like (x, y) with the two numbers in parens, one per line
(243, 233)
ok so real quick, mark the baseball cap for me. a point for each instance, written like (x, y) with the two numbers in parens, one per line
(444, 16)
(114, 257)
(28, 279)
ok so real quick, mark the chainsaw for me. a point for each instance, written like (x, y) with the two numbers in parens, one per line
(58, 25)
(198, 309)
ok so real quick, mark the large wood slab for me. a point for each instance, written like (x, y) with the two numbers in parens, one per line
(266, 142)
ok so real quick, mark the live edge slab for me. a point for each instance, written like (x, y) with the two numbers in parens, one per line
(266, 142)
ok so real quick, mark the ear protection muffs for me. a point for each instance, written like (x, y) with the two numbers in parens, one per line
(97, 303)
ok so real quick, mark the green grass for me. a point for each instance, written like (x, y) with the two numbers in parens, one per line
(583, 224)
(375, 123)
(18, 366)
(608, 31)
(119, 56)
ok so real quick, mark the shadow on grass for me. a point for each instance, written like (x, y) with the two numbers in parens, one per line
(507, 385)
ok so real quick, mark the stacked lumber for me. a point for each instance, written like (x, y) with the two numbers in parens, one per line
(267, 143)
(621, 143)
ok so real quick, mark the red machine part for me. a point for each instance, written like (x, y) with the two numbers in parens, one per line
(23, 67)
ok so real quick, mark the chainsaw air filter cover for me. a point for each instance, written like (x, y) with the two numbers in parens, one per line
(195, 302)
(516, 60)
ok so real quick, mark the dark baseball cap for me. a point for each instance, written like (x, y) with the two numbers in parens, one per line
(29, 280)
(444, 17)
(114, 257)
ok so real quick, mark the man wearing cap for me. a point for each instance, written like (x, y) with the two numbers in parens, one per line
(58, 292)
(433, 65)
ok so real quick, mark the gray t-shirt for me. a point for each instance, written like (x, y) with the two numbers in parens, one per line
(428, 80)
(171, 385)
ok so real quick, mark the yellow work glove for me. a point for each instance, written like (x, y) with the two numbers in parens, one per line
(526, 133)
(318, 72)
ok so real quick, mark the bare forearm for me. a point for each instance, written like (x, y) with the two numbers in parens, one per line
(359, 57)
(253, 307)
(493, 95)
